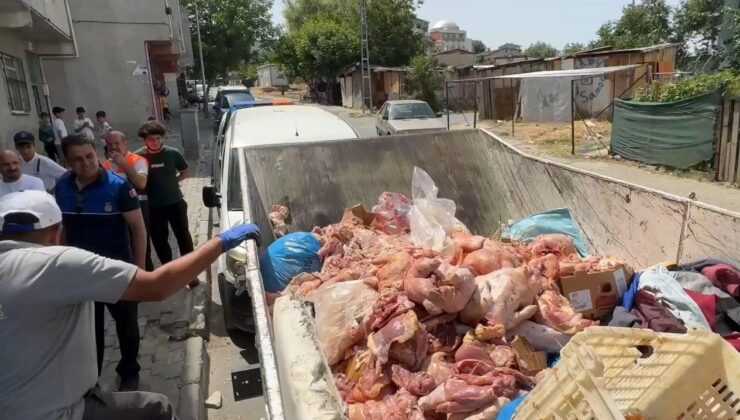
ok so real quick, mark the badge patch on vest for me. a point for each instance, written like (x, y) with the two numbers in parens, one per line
(108, 207)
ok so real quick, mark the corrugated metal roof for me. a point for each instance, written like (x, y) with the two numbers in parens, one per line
(595, 71)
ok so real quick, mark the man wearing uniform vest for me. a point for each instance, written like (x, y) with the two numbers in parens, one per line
(135, 169)
(35, 164)
(47, 347)
(101, 214)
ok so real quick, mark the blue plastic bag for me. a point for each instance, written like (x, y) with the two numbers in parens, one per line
(287, 257)
(552, 221)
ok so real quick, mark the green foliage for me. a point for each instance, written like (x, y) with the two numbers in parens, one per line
(391, 35)
(320, 48)
(541, 49)
(423, 80)
(573, 47)
(231, 31)
(690, 87)
(642, 25)
(478, 46)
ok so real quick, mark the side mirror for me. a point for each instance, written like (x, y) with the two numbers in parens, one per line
(211, 197)
(438, 115)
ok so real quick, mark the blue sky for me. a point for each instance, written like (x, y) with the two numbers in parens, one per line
(519, 21)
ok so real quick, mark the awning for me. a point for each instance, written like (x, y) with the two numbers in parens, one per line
(589, 72)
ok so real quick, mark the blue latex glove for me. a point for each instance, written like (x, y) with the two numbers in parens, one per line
(233, 237)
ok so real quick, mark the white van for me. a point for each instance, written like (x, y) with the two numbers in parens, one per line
(247, 125)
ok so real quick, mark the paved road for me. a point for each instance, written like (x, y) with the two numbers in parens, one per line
(364, 124)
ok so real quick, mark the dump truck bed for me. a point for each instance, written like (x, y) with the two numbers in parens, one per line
(492, 183)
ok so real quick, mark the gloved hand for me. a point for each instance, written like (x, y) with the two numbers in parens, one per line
(233, 237)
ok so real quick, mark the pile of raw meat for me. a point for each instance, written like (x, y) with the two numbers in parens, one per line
(411, 333)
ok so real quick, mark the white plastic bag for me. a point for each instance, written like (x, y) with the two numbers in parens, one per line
(340, 309)
(432, 218)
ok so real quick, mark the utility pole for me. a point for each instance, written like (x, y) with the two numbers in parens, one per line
(367, 85)
(202, 68)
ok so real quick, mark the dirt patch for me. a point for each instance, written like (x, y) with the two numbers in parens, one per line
(554, 139)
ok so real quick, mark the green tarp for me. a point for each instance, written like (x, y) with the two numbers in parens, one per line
(677, 134)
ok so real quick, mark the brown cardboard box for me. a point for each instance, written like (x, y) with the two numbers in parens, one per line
(596, 294)
(529, 361)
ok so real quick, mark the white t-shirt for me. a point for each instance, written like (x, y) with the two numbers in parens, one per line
(47, 328)
(105, 128)
(59, 126)
(44, 168)
(26, 182)
(87, 131)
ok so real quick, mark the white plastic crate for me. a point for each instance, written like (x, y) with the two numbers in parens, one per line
(637, 374)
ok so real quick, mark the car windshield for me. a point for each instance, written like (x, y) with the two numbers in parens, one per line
(412, 110)
(234, 97)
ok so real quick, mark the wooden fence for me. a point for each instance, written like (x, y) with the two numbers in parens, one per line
(728, 161)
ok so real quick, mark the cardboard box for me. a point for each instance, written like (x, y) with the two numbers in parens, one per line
(529, 361)
(596, 294)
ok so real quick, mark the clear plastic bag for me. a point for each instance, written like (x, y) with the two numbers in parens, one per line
(431, 218)
(340, 309)
(392, 213)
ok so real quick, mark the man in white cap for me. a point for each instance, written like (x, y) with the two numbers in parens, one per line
(34, 164)
(47, 356)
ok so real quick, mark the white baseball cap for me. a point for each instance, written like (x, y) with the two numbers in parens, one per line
(27, 211)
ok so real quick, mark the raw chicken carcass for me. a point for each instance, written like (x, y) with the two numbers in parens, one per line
(472, 352)
(503, 356)
(403, 338)
(387, 307)
(399, 406)
(439, 292)
(457, 396)
(489, 259)
(417, 383)
(485, 413)
(555, 312)
(540, 337)
(498, 298)
(439, 367)
(442, 333)
(277, 217)
(559, 245)
(373, 384)
(393, 271)
(548, 268)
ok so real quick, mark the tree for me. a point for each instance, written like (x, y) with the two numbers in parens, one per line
(423, 80)
(319, 49)
(573, 47)
(642, 25)
(541, 49)
(231, 31)
(391, 35)
(479, 46)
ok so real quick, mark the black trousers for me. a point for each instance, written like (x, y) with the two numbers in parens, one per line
(160, 220)
(102, 405)
(148, 264)
(51, 151)
(126, 315)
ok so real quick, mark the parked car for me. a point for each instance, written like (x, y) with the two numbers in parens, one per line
(227, 96)
(212, 93)
(247, 125)
(407, 116)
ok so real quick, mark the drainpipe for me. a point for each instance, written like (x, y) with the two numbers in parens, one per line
(76, 54)
(168, 13)
(182, 36)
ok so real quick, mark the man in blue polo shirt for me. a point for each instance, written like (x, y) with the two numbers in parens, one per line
(101, 214)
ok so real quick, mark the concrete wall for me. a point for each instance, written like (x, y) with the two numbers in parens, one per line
(53, 11)
(111, 38)
(12, 122)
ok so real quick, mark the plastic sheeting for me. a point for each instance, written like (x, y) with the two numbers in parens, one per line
(545, 99)
(677, 134)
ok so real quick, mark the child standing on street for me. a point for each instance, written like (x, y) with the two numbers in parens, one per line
(46, 136)
(84, 125)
